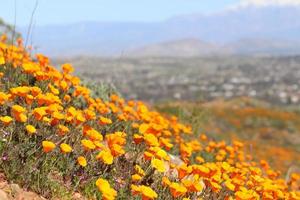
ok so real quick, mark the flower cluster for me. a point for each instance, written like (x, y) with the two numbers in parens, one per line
(124, 144)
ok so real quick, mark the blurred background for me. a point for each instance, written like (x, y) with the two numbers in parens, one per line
(231, 68)
(175, 49)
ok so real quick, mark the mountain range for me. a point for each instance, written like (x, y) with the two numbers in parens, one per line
(247, 29)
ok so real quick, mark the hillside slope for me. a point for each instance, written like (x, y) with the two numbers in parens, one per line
(58, 137)
(8, 30)
(179, 48)
(264, 128)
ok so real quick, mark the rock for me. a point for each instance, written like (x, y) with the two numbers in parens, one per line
(3, 185)
(15, 189)
(3, 195)
(77, 196)
(27, 196)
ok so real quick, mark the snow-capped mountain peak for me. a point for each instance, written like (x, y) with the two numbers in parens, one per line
(264, 3)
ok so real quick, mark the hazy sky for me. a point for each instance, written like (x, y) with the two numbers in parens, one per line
(70, 11)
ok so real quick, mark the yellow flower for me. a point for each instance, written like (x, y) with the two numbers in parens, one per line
(6, 120)
(165, 181)
(67, 68)
(105, 156)
(244, 195)
(108, 193)
(39, 113)
(35, 91)
(177, 189)
(63, 85)
(199, 159)
(46, 119)
(67, 98)
(135, 189)
(114, 98)
(148, 155)
(139, 170)
(117, 150)
(20, 91)
(143, 128)
(160, 153)
(18, 109)
(148, 193)
(183, 170)
(137, 138)
(80, 118)
(3, 98)
(201, 170)
(63, 130)
(88, 144)
(166, 143)
(21, 117)
(65, 148)
(94, 135)
(215, 186)
(81, 161)
(2, 60)
(53, 89)
(151, 140)
(229, 185)
(159, 165)
(99, 145)
(104, 121)
(136, 177)
(29, 99)
(30, 129)
(192, 185)
(48, 146)
(30, 68)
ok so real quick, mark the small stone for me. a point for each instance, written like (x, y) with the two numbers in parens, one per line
(15, 189)
(3, 184)
(3, 195)
(27, 196)
(76, 196)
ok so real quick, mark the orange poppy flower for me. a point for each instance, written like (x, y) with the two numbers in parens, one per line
(137, 138)
(151, 140)
(94, 135)
(104, 121)
(88, 144)
(30, 129)
(48, 146)
(62, 130)
(21, 117)
(16, 109)
(67, 68)
(105, 156)
(159, 165)
(148, 193)
(139, 170)
(82, 161)
(177, 190)
(136, 177)
(6, 120)
(108, 193)
(65, 148)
